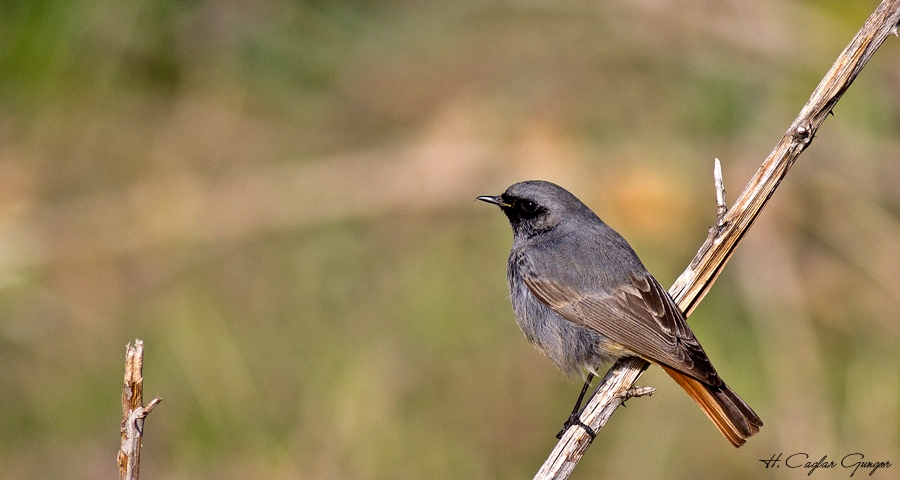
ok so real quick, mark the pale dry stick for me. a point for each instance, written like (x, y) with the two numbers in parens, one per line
(133, 412)
(690, 288)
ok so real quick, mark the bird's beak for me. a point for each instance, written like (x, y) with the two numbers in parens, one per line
(495, 200)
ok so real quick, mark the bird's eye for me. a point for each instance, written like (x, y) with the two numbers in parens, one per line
(527, 207)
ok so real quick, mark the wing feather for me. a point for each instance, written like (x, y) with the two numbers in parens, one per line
(640, 315)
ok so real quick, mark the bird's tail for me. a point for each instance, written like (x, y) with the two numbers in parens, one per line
(734, 418)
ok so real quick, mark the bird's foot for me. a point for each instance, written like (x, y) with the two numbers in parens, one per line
(575, 420)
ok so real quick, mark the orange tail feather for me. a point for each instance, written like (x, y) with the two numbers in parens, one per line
(734, 418)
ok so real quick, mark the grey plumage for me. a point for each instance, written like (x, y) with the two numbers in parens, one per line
(582, 296)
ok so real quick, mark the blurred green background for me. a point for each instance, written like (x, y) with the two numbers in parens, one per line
(277, 197)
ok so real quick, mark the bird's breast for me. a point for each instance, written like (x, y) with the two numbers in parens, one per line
(570, 346)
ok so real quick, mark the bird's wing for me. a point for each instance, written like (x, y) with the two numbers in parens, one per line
(639, 315)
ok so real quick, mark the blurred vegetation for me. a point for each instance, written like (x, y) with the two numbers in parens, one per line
(277, 197)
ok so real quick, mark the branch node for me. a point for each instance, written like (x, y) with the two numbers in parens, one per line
(803, 133)
(637, 391)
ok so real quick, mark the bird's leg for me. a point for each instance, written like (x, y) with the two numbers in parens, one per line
(574, 417)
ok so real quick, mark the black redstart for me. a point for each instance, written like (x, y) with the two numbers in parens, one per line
(583, 298)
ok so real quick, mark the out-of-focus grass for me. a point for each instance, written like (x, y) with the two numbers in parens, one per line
(277, 197)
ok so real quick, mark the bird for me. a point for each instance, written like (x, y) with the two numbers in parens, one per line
(581, 295)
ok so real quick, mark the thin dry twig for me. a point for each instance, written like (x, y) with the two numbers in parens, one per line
(721, 208)
(133, 412)
(731, 225)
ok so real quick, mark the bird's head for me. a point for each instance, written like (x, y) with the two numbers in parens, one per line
(536, 206)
